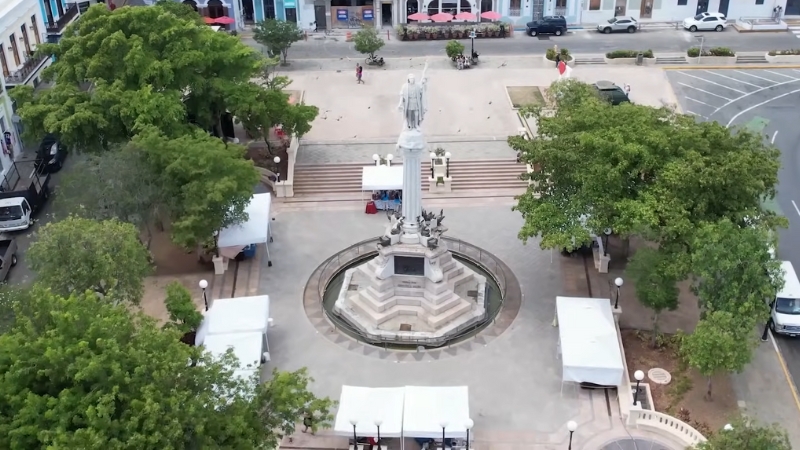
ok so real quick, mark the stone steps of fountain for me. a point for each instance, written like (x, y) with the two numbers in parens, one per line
(462, 278)
(446, 302)
(456, 308)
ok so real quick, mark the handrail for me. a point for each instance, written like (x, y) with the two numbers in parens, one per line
(22, 74)
(64, 20)
(664, 422)
(368, 247)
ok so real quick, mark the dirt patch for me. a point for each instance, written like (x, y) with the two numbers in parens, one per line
(155, 291)
(525, 96)
(684, 396)
(169, 259)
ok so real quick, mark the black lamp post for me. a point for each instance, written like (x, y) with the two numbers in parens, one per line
(468, 426)
(618, 282)
(378, 423)
(354, 422)
(277, 161)
(447, 164)
(203, 285)
(765, 334)
(639, 375)
(433, 160)
(443, 425)
(571, 427)
(472, 36)
(607, 234)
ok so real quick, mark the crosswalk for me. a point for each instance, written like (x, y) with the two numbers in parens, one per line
(796, 30)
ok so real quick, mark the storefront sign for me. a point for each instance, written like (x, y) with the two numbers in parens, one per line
(290, 3)
(341, 14)
(366, 13)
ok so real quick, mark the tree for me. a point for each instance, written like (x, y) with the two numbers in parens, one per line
(277, 36)
(746, 434)
(78, 255)
(655, 287)
(733, 270)
(453, 49)
(719, 344)
(147, 67)
(367, 41)
(637, 170)
(183, 315)
(82, 373)
(210, 185)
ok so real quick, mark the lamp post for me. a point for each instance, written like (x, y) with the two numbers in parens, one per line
(354, 422)
(571, 427)
(377, 159)
(203, 285)
(433, 160)
(378, 423)
(277, 161)
(606, 233)
(618, 282)
(447, 164)
(727, 427)
(765, 334)
(639, 375)
(443, 424)
(472, 36)
(468, 426)
(389, 159)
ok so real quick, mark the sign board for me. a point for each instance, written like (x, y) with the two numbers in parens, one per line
(290, 3)
(341, 14)
(366, 14)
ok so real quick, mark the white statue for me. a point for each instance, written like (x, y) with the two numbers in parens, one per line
(414, 101)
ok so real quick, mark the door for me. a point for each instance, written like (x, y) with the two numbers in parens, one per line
(247, 8)
(48, 10)
(386, 13)
(646, 9)
(723, 7)
(619, 8)
(25, 40)
(702, 6)
(14, 49)
(319, 16)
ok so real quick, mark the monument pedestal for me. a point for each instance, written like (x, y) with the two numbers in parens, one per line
(440, 185)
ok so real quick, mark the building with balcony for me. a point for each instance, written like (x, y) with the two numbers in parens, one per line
(244, 12)
(57, 14)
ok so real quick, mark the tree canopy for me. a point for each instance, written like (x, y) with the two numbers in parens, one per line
(277, 36)
(78, 255)
(746, 434)
(655, 287)
(367, 41)
(80, 372)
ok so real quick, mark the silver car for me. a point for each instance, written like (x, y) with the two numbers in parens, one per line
(619, 24)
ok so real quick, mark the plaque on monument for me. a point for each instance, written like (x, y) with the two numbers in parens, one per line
(409, 265)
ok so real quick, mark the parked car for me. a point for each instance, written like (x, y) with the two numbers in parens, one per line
(8, 255)
(611, 92)
(617, 24)
(548, 25)
(51, 155)
(707, 21)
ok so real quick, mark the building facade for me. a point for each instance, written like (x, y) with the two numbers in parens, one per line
(57, 14)
(22, 28)
(596, 11)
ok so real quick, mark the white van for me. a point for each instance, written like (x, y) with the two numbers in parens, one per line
(785, 309)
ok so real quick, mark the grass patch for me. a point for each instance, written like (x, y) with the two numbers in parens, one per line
(525, 96)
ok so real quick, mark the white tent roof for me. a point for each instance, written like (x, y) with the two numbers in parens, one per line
(589, 346)
(255, 230)
(235, 315)
(246, 346)
(426, 408)
(379, 178)
(365, 405)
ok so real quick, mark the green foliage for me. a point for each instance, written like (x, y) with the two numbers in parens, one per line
(694, 52)
(78, 255)
(367, 41)
(747, 435)
(210, 186)
(720, 343)
(453, 49)
(638, 170)
(277, 36)
(629, 54)
(733, 270)
(182, 313)
(11, 297)
(551, 54)
(655, 287)
(794, 51)
(82, 373)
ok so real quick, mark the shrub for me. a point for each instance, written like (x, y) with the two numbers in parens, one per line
(629, 54)
(694, 52)
(551, 54)
(454, 48)
(795, 51)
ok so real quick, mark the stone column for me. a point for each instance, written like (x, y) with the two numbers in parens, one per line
(412, 144)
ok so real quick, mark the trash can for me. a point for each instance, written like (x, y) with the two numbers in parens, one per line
(639, 59)
(249, 251)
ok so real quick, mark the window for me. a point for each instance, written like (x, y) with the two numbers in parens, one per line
(561, 3)
(594, 5)
(291, 14)
(682, 2)
(759, 2)
(25, 40)
(341, 3)
(60, 8)
(35, 29)
(4, 62)
(515, 8)
(269, 9)
(14, 49)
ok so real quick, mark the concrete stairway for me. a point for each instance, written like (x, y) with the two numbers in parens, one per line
(751, 59)
(471, 175)
(584, 60)
(671, 60)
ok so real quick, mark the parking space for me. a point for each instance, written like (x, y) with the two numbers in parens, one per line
(720, 94)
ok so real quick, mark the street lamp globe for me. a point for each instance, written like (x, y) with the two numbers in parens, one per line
(432, 155)
(638, 375)
(618, 281)
(389, 157)
(277, 159)
(443, 424)
(572, 426)
(375, 157)
(469, 424)
(378, 422)
(203, 284)
(447, 155)
(353, 422)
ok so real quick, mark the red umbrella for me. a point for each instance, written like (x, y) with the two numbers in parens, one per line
(208, 20)
(466, 16)
(418, 16)
(442, 17)
(491, 15)
(224, 20)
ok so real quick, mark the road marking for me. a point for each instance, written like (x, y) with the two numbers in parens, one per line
(731, 78)
(695, 114)
(796, 208)
(778, 73)
(698, 101)
(796, 70)
(712, 82)
(755, 76)
(705, 92)
(750, 108)
(774, 135)
(782, 361)
(751, 93)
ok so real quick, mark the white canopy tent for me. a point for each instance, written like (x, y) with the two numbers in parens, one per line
(365, 406)
(235, 316)
(255, 230)
(425, 408)
(382, 178)
(247, 347)
(588, 341)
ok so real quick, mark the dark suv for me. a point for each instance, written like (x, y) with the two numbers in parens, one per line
(611, 92)
(548, 25)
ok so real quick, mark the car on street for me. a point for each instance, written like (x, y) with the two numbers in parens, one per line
(8, 255)
(547, 25)
(611, 92)
(785, 307)
(707, 21)
(50, 155)
(619, 24)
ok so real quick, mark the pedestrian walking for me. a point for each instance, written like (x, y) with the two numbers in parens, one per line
(359, 74)
(308, 422)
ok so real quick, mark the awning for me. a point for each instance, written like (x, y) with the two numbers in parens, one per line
(255, 230)
(366, 405)
(425, 408)
(235, 315)
(247, 347)
(382, 178)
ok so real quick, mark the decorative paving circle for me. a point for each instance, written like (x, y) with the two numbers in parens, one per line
(635, 444)
(312, 304)
(659, 376)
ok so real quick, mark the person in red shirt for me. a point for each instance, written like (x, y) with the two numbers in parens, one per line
(359, 73)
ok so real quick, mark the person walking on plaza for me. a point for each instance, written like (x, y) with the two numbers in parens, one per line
(359, 73)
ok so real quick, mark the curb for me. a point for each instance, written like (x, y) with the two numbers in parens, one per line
(785, 369)
(731, 67)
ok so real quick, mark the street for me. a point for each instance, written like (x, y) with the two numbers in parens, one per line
(578, 42)
(764, 100)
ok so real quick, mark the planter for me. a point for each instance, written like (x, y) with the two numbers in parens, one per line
(712, 60)
(629, 61)
(783, 59)
(570, 63)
